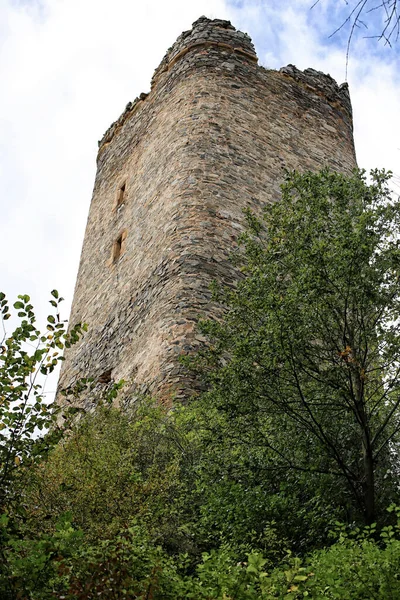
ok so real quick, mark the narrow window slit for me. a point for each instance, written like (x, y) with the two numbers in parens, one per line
(119, 247)
(121, 195)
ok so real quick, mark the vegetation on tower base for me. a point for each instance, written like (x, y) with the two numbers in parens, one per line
(240, 494)
(121, 509)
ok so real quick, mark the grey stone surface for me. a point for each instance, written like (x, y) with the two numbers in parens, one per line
(210, 139)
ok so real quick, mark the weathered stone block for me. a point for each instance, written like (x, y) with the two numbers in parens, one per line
(174, 175)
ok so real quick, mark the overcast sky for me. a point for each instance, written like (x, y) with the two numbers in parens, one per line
(69, 67)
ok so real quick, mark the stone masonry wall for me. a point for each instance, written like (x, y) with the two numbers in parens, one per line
(210, 139)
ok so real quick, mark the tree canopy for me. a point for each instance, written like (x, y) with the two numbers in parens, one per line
(309, 350)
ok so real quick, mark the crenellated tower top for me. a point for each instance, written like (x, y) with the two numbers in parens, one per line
(208, 33)
(216, 42)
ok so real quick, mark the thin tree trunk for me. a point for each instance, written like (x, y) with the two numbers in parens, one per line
(368, 478)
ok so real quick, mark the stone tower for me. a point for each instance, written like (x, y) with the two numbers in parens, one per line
(174, 174)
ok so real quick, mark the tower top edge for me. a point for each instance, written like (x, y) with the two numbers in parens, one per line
(208, 31)
(221, 34)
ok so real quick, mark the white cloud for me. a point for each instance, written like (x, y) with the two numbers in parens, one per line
(294, 34)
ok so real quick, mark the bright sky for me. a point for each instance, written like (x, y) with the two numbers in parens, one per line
(69, 67)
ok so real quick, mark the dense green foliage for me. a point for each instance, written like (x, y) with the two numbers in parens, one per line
(25, 356)
(280, 481)
(86, 552)
(309, 349)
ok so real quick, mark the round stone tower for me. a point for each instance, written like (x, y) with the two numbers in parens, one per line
(174, 175)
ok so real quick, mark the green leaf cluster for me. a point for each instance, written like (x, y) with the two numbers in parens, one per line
(27, 357)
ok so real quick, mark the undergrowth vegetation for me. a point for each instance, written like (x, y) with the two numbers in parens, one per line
(279, 481)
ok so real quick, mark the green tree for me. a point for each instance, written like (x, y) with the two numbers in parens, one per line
(105, 508)
(114, 467)
(27, 356)
(306, 364)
